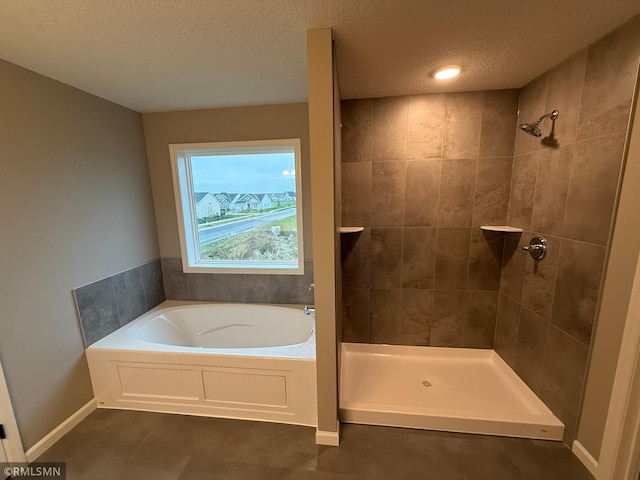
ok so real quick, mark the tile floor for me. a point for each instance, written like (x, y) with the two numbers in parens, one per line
(119, 444)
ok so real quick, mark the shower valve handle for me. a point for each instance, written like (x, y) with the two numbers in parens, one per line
(537, 248)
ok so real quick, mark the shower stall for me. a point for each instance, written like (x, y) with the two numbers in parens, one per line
(471, 287)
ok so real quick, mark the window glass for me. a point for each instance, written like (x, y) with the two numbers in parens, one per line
(239, 206)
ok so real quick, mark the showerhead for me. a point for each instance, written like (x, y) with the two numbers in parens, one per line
(532, 128)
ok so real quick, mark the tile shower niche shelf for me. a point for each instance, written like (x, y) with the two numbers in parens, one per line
(501, 228)
(351, 229)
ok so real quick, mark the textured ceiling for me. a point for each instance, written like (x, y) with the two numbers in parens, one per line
(156, 55)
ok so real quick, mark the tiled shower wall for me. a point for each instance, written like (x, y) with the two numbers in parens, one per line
(421, 174)
(564, 189)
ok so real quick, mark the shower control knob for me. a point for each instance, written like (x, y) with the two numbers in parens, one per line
(537, 248)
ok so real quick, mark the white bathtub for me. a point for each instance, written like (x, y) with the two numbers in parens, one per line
(244, 361)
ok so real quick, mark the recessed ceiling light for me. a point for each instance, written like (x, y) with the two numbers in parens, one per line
(445, 73)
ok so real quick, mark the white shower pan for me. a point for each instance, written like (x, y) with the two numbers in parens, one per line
(449, 389)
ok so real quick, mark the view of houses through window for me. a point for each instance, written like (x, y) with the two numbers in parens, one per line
(247, 226)
(242, 205)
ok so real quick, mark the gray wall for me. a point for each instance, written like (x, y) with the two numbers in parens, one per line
(567, 193)
(75, 204)
(219, 125)
(421, 174)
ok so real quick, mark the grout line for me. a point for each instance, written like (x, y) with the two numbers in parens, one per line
(115, 297)
(144, 292)
(370, 130)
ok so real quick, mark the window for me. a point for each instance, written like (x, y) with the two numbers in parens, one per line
(239, 206)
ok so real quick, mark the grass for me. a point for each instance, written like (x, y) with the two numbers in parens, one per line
(257, 244)
(289, 223)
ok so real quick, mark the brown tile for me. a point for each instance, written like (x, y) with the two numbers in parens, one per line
(452, 258)
(480, 319)
(356, 194)
(387, 194)
(499, 115)
(422, 193)
(508, 319)
(532, 340)
(577, 288)
(491, 201)
(612, 66)
(457, 186)
(540, 278)
(552, 185)
(592, 189)
(447, 326)
(523, 185)
(418, 257)
(415, 318)
(355, 315)
(564, 93)
(513, 265)
(485, 259)
(386, 257)
(563, 376)
(425, 125)
(463, 121)
(356, 259)
(384, 316)
(531, 107)
(390, 122)
(356, 130)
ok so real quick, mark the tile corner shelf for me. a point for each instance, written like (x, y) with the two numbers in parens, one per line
(501, 228)
(351, 229)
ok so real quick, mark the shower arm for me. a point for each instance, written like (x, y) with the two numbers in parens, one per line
(553, 116)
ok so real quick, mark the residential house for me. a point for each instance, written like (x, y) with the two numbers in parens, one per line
(265, 201)
(245, 201)
(207, 205)
(225, 201)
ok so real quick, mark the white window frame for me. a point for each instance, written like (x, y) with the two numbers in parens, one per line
(180, 155)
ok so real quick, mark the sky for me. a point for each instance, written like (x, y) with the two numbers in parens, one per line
(252, 173)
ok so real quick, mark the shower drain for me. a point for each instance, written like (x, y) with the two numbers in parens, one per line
(426, 383)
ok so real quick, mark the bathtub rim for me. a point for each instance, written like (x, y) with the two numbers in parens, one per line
(120, 339)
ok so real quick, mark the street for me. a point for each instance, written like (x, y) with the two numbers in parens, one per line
(212, 234)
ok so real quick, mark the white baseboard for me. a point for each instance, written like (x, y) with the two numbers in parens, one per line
(331, 439)
(57, 433)
(585, 457)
